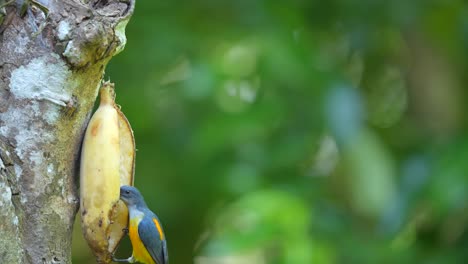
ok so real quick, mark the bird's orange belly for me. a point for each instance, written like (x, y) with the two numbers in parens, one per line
(139, 250)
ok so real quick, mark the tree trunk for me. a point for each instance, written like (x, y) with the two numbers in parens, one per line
(51, 66)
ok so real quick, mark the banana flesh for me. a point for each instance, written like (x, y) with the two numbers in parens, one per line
(107, 162)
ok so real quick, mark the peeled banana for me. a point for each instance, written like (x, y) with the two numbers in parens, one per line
(107, 162)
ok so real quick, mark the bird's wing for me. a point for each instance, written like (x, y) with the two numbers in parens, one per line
(152, 236)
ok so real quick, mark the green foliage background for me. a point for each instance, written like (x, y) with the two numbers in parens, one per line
(300, 131)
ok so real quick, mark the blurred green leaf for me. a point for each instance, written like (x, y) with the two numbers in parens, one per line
(230, 102)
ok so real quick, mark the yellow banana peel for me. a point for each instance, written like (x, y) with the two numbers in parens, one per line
(107, 162)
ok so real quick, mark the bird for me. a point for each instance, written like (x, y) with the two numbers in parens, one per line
(145, 230)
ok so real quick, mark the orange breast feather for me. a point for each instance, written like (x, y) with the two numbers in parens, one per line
(139, 251)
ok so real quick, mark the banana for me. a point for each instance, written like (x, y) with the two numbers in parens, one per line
(107, 162)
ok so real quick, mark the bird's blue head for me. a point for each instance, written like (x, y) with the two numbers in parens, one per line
(131, 196)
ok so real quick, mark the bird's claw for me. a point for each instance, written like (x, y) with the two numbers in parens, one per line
(129, 260)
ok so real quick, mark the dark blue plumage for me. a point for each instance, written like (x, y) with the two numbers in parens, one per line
(147, 231)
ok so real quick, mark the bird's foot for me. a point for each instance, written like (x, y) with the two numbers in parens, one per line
(129, 260)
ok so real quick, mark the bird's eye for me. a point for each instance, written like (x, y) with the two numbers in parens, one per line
(127, 192)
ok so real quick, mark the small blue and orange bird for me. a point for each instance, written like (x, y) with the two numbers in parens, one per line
(145, 230)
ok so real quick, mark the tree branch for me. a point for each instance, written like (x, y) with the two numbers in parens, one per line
(51, 66)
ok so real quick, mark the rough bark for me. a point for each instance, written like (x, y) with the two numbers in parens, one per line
(50, 70)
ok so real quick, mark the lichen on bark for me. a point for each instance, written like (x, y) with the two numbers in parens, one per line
(51, 66)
